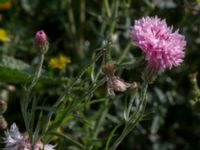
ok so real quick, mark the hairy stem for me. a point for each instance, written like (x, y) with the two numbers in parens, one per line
(27, 100)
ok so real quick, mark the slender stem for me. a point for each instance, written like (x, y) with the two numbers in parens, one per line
(134, 119)
(107, 7)
(124, 54)
(99, 123)
(26, 102)
(114, 17)
(71, 18)
(73, 83)
(38, 73)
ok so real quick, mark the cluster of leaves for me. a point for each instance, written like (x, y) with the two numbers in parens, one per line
(87, 117)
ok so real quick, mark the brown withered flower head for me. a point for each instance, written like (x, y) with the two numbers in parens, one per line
(114, 83)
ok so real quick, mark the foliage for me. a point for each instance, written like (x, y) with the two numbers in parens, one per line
(69, 106)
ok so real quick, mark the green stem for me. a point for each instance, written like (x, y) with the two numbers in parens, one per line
(115, 15)
(134, 119)
(107, 7)
(125, 52)
(26, 102)
(73, 83)
(99, 123)
(71, 18)
(38, 72)
(27, 98)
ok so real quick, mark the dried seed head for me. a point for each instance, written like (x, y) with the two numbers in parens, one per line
(109, 70)
(41, 42)
(117, 84)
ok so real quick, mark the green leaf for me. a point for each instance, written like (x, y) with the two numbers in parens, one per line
(112, 134)
(16, 71)
(68, 138)
(13, 70)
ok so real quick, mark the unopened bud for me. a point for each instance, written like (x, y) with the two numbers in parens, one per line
(3, 122)
(41, 42)
(3, 106)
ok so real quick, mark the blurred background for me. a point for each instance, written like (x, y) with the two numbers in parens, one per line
(76, 29)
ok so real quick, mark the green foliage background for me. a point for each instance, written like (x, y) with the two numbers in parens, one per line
(78, 29)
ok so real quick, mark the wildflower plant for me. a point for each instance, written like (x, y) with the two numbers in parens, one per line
(94, 106)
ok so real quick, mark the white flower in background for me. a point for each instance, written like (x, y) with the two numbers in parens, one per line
(14, 140)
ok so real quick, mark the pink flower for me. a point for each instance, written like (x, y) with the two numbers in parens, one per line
(14, 140)
(41, 41)
(163, 48)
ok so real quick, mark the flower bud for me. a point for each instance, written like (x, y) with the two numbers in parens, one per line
(3, 106)
(41, 42)
(3, 122)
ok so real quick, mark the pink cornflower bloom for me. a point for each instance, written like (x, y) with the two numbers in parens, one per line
(14, 140)
(162, 47)
(41, 41)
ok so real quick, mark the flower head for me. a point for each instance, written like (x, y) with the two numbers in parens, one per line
(41, 41)
(59, 62)
(14, 140)
(3, 35)
(163, 48)
(114, 82)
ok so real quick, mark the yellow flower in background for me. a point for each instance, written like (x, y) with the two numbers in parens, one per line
(3, 35)
(59, 62)
(6, 5)
(198, 1)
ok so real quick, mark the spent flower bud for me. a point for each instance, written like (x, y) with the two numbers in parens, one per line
(41, 42)
(114, 83)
